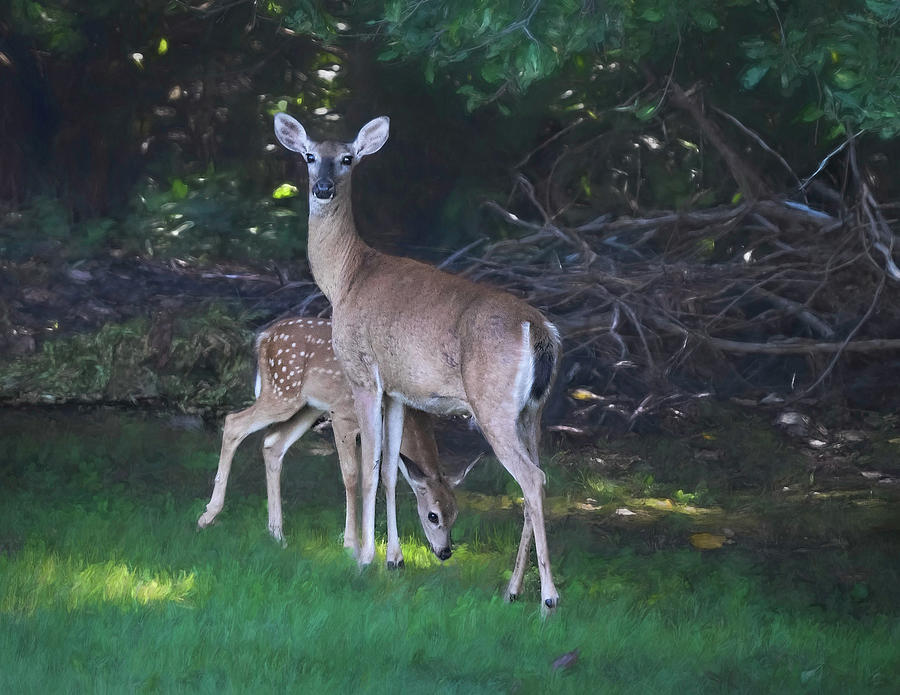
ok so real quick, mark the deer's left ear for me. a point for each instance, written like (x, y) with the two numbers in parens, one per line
(455, 480)
(372, 136)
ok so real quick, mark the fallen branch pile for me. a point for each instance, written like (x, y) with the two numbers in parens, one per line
(769, 298)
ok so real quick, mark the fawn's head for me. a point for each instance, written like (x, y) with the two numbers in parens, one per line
(435, 503)
(330, 163)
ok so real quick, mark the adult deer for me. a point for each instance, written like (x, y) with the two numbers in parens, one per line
(297, 380)
(408, 334)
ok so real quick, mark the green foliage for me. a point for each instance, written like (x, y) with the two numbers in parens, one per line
(54, 24)
(207, 366)
(487, 50)
(216, 215)
(846, 57)
(846, 54)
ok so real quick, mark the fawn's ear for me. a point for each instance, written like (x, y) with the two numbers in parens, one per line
(290, 133)
(413, 472)
(372, 136)
(455, 480)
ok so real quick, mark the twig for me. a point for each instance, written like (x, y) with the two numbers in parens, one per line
(762, 143)
(805, 182)
(449, 260)
(574, 124)
(846, 344)
(799, 347)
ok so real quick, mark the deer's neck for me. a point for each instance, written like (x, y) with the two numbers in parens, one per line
(334, 246)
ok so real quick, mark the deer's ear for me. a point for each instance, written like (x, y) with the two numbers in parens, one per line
(290, 133)
(455, 480)
(372, 136)
(413, 472)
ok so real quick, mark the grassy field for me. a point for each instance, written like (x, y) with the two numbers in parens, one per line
(106, 585)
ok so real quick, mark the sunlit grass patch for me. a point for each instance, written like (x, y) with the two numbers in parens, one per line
(35, 579)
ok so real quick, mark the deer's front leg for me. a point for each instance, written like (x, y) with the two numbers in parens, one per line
(368, 411)
(393, 426)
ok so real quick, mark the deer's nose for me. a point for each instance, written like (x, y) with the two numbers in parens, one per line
(324, 188)
(445, 554)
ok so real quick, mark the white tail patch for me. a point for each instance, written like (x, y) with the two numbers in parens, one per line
(553, 331)
(525, 374)
(257, 387)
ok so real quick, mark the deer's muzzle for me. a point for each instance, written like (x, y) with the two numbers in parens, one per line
(324, 189)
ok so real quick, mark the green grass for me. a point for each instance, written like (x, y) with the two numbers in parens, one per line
(106, 586)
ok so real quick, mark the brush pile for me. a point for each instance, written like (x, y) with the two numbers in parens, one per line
(774, 298)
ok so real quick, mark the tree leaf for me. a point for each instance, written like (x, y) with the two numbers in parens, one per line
(285, 190)
(846, 79)
(705, 20)
(811, 112)
(179, 189)
(753, 75)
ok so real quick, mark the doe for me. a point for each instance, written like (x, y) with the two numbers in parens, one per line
(409, 335)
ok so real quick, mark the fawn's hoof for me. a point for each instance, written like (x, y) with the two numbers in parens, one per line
(399, 565)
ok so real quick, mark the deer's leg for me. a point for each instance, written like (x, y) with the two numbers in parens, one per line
(393, 426)
(503, 436)
(515, 582)
(237, 427)
(368, 412)
(278, 440)
(345, 430)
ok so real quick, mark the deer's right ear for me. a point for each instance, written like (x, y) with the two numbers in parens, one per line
(290, 133)
(372, 136)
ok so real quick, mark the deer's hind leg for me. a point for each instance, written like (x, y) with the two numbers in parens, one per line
(278, 440)
(507, 436)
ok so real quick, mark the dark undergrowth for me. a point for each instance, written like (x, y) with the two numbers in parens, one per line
(107, 586)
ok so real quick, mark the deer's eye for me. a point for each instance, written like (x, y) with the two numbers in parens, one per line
(347, 160)
(432, 517)
(310, 158)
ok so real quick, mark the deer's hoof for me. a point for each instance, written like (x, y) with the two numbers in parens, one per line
(391, 565)
(512, 598)
(205, 520)
(549, 606)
